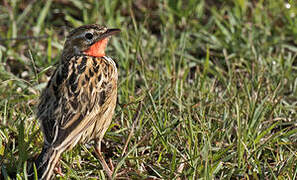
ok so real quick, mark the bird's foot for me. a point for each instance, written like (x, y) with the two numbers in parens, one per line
(58, 170)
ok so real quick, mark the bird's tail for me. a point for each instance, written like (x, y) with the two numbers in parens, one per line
(45, 163)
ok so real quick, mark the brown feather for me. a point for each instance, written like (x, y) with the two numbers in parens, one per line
(78, 103)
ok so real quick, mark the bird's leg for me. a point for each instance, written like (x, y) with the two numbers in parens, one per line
(101, 158)
(111, 165)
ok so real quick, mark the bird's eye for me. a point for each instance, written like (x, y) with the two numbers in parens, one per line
(89, 36)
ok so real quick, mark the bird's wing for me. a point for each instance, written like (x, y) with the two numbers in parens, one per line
(76, 93)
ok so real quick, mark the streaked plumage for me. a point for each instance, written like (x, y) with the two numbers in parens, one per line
(78, 103)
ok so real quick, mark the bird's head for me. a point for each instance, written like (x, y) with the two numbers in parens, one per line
(88, 40)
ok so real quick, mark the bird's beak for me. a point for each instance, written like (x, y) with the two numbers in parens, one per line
(108, 33)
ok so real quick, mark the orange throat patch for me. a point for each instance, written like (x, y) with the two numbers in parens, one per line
(97, 49)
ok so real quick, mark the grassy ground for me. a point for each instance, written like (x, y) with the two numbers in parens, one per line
(217, 81)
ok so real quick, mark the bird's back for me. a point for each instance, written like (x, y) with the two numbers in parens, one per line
(79, 101)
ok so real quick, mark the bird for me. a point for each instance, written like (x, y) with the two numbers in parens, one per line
(79, 100)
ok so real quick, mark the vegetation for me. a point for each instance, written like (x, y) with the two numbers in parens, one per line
(217, 81)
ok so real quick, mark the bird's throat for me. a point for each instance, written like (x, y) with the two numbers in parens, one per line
(97, 49)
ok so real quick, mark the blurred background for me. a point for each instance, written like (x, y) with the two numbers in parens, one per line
(217, 80)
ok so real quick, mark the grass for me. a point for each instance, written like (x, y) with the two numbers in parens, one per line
(217, 81)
